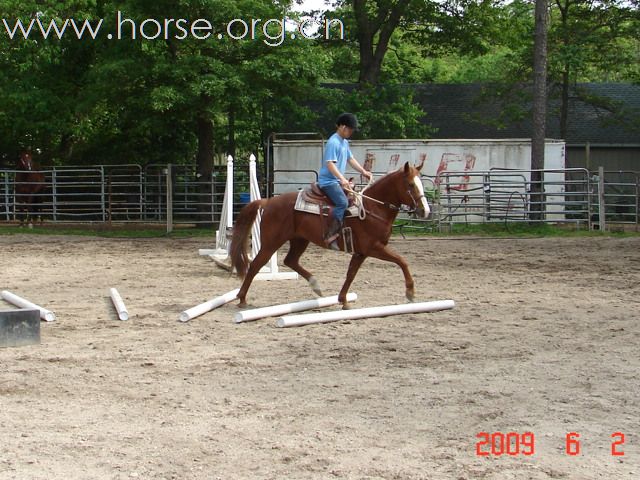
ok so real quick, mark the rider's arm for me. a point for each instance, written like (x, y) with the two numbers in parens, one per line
(358, 168)
(333, 168)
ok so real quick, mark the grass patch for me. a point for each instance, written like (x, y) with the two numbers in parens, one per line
(502, 229)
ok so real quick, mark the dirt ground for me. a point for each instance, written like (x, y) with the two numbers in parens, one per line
(544, 339)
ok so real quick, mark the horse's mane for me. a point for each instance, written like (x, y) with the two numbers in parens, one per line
(381, 186)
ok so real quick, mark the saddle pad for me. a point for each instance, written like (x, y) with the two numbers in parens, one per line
(303, 206)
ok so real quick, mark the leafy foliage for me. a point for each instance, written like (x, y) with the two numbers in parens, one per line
(185, 99)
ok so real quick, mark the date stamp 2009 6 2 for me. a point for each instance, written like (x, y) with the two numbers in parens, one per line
(515, 444)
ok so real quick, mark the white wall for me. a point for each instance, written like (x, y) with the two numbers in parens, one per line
(302, 158)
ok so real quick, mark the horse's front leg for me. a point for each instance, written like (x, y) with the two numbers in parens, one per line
(354, 265)
(386, 254)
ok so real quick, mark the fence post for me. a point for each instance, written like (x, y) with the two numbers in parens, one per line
(169, 199)
(6, 195)
(54, 194)
(102, 195)
(602, 219)
(587, 156)
(637, 200)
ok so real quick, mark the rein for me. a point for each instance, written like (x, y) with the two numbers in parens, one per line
(362, 212)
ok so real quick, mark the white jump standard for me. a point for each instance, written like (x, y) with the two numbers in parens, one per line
(283, 309)
(14, 299)
(223, 236)
(123, 313)
(383, 311)
(208, 306)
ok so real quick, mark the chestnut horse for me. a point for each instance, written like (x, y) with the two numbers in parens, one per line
(281, 223)
(29, 187)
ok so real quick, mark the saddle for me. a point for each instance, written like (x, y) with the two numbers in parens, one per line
(313, 200)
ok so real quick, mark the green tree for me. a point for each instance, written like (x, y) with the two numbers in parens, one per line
(592, 40)
(38, 77)
(152, 96)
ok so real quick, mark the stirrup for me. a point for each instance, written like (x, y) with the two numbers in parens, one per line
(333, 245)
(331, 238)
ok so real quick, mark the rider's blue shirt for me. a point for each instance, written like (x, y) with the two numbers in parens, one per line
(336, 150)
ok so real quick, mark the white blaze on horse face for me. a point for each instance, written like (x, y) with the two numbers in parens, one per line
(423, 199)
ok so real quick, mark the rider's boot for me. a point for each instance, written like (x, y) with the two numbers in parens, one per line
(331, 237)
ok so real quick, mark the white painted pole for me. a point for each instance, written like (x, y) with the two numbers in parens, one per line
(254, 190)
(229, 192)
(14, 299)
(226, 217)
(208, 306)
(383, 311)
(283, 309)
(123, 314)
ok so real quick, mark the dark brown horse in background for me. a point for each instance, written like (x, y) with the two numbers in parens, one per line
(29, 188)
(281, 223)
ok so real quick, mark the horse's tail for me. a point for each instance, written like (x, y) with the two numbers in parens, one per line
(240, 239)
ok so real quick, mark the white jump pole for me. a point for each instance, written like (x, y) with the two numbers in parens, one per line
(383, 311)
(283, 309)
(208, 306)
(14, 299)
(123, 314)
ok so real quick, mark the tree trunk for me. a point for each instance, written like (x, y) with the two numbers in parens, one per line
(539, 109)
(370, 29)
(204, 169)
(563, 7)
(204, 156)
(564, 105)
(232, 132)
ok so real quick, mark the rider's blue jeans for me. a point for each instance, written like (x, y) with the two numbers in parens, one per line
(335, 192)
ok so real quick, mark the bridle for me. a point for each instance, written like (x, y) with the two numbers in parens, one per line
(413, 199)
(26, 163)
(362, 212)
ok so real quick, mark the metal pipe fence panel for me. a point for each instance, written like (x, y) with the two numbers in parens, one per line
(78, 194)
(195, 199)
(130, 193)
(501, 195)
(620, 195)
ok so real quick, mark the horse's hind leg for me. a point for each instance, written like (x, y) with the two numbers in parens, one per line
(297, 247)
(256, 264)
(22, 215)
(37, 211)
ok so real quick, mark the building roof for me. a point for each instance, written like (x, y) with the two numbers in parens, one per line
(599, 113)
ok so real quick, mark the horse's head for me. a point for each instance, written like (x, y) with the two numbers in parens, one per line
(25, 162)
(413, 191)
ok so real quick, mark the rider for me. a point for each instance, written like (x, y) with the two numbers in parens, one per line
(331, 176)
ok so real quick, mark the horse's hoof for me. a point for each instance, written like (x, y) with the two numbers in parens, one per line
(313, 283)
(242, 304)
(410, 296)
(346, 306)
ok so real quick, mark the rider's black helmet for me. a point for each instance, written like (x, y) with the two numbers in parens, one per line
(348, 119)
